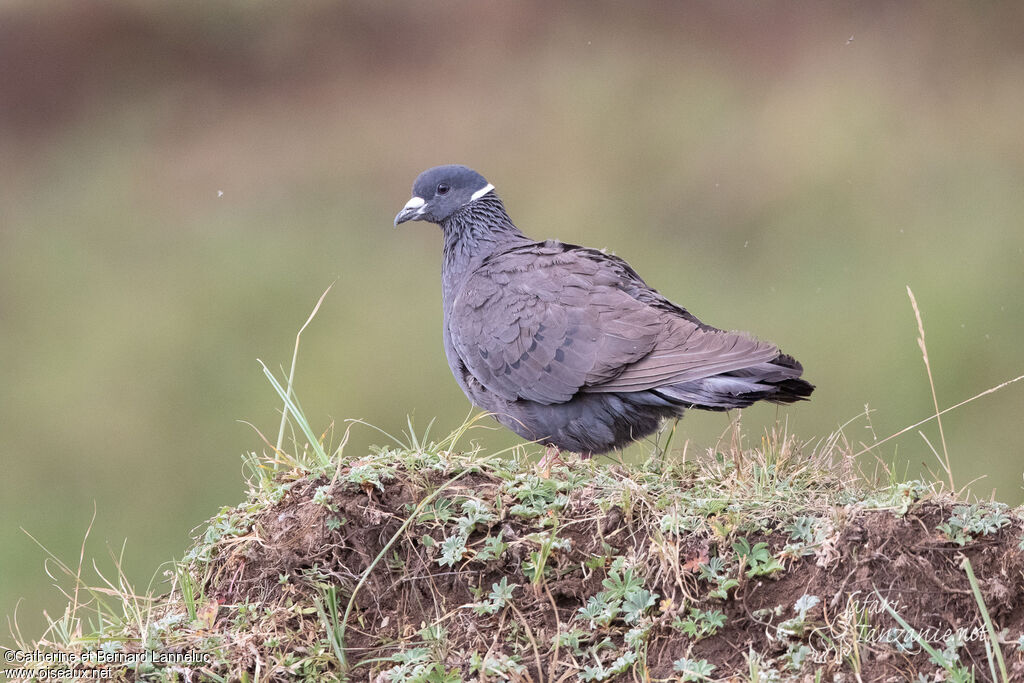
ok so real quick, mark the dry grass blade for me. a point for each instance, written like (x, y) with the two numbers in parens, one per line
(931, 383)
(928, 419)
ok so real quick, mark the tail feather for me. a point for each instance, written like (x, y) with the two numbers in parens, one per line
(777, 381)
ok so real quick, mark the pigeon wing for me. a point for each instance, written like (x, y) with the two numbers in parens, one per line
(686, 349)
(535, 324)
(685, 353)
(547, 321)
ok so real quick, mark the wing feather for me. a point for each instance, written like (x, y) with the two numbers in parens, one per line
(549, 320)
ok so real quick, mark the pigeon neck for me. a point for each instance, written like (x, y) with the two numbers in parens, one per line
(473, 233)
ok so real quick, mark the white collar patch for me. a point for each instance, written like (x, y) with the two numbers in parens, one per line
(481, 192)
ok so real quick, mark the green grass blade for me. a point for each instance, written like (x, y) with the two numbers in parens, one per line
(998, 651)
(292, 407)
(935, 654)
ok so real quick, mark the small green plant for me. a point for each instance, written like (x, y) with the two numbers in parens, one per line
(441, 510)
(623, 597)
(244, 613)
(599, 610)
(796, 655)
(327, 609)
(322, 496)
(599, 672)
(536, 496)
(758, 560)
(493, 547)
(417, 665)
(969, 521)
(908, 493)
(797, 627)
(693, 669)
(501, 594)
(228, 523)
(677, 523)
(806, 534)
(625, 586)
(474, 514)
(759, 670)
(454, 547)
(536, 565)
(714, 571)
(499, 665)
(636, 637)
(700, 623)
(191, 593)
(636, 603)
(574, 640)
(370, 476)
(621, 581)
(802, 529)
(435, 636)
(452, 550)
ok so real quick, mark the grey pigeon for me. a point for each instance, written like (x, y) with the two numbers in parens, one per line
(568, 346)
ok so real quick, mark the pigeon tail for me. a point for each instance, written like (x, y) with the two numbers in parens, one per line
(777, 381)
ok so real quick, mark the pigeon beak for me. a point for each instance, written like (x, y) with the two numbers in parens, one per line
(412, 210)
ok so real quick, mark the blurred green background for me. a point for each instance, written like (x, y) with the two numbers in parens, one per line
(180, 182)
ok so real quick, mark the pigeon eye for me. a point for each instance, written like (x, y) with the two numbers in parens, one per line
(443, 188)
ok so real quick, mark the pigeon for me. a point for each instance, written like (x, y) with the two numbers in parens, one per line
(567, 346)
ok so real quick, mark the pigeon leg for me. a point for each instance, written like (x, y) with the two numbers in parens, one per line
(550, 459)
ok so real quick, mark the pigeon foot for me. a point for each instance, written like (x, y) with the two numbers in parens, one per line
(550, 459)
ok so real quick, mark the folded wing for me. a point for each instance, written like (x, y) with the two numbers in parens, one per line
(547, 321)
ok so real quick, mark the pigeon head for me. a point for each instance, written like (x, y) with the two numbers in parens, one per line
(441, 191)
